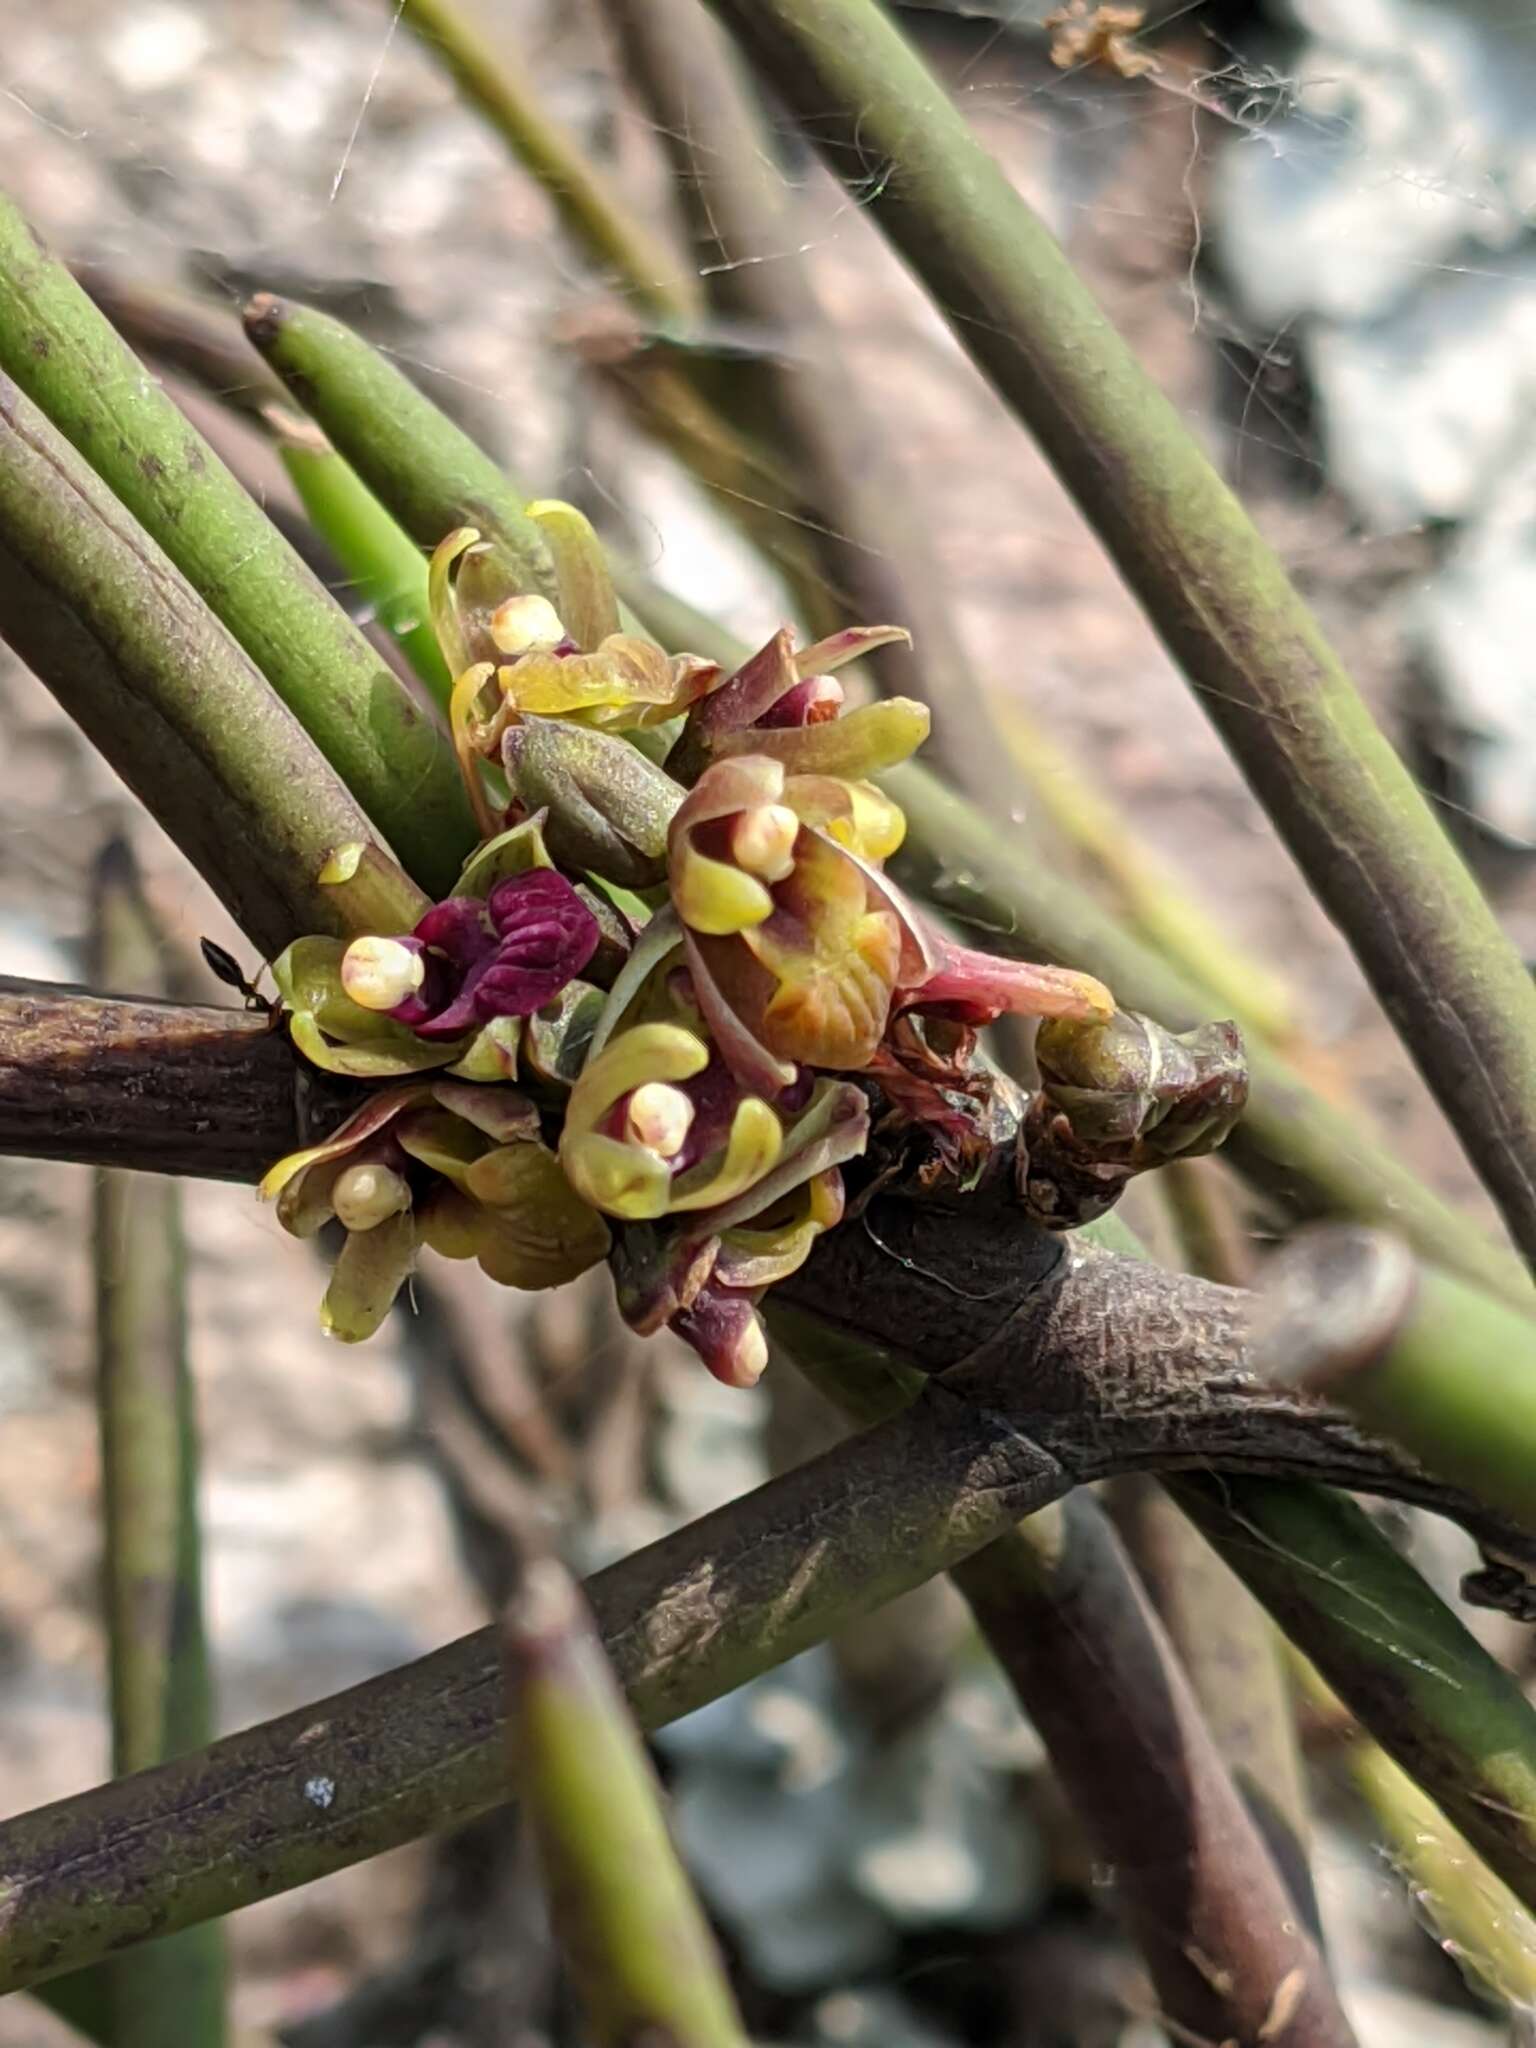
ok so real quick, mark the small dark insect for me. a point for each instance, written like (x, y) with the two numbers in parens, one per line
(232, 974)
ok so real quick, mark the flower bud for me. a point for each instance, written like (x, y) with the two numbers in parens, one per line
(526, 621)
(608, 806)
(367, 1194)
(763, 841)
(659, 1116)
(723, 1328)
(378, 974)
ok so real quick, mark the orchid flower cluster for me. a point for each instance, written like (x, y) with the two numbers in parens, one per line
(671, 989)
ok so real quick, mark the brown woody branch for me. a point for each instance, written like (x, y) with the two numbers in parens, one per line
(1051, 1365)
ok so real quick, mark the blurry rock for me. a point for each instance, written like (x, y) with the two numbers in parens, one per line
(1471, 626)
(1396, 133)
(819, 1846)
(1421, 410)
(870, 2018)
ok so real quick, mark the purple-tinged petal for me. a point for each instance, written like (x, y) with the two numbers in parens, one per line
(754, 689)
(461, 1014)
(849, 645)
(458, 928)
(811, 702)
(979, 986)
(723, 1328)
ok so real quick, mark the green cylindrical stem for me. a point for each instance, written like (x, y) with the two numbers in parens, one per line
(199, 336)
(1455, 988)
(640, 1950)
(388, 750)
(426, 471)
(387, 569)
(1476, 1919)
(136, 658)
(493, 76)
(1447, 1371)
(161, 1689)
(1393, 1652)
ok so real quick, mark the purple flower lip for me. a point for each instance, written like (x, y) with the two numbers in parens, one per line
(506, 957)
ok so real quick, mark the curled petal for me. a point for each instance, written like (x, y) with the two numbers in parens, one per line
(756, 1137)
(451, 637)
(374, 1265)
(834, 1128)
(762, 1254)
(364, 1124)
(649, 1052)
(620, 1179)
(624, 1179)
(710, 895)
(368, 1061)
(858, 815)
(851, 644)
(587, 601)
(861, 743)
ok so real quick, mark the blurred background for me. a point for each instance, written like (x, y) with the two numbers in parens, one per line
(1313, 223)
